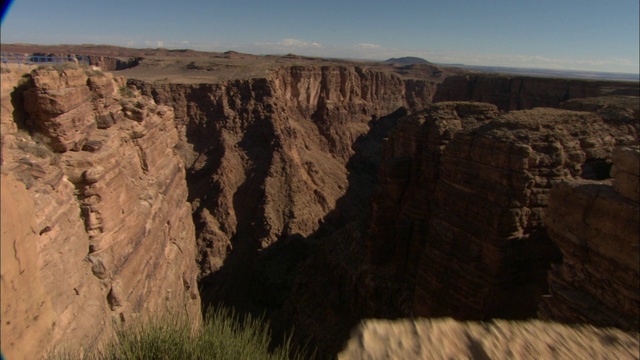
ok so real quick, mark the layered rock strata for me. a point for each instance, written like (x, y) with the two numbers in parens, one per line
(458, 211)
(266, 157)
(595, 224)
(96, 229)
(499, 339)
(522, 92)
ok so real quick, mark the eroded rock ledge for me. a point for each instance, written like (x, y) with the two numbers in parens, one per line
(96, 229)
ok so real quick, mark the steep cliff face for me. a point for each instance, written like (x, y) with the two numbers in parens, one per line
(96, 229)
(267, 157)
(459, 206)
(521, 92)
(595, 224)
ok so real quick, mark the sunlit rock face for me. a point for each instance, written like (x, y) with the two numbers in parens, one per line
(445, 338)
(96, 229)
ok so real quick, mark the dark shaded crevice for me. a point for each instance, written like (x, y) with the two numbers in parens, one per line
(230, 284)
(596, 169)
(19, 114)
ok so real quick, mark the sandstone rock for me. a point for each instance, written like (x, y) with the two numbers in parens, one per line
(27, 313)
(284, 140)
(626, 172)
(521, 92)
(104, 234)
(595, 225)
(458, 209)
(499, 339)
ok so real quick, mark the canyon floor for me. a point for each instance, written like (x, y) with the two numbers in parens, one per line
(322, 193)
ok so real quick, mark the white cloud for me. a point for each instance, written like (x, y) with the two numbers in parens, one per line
(368, 46)
(298, 43)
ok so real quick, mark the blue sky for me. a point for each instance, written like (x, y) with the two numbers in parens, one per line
(595, 35)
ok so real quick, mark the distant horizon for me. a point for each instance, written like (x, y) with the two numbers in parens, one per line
(581, 35)
(630, 76)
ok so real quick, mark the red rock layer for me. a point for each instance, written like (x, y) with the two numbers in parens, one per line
(266, 157)
(521, 92)
(97, 235)
(468, 189)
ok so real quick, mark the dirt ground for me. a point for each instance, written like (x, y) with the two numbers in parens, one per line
(189, 66)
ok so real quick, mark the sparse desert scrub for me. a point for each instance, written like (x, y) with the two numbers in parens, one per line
(222, 335)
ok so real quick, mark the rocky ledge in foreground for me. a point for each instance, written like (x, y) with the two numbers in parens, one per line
(446, 338)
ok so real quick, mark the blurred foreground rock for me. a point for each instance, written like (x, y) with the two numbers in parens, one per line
(445, 338)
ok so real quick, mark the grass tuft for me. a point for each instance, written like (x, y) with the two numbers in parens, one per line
(223, 335)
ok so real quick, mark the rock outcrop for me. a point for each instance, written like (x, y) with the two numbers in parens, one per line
(459, 206)
(499, 339)
(96, 229)
(595, 224)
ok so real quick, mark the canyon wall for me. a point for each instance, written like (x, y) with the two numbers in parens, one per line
(267, 158)
(457, 220)
(456, 225)
(96, 229)
(595, 224)
(524, 92)
(460, 200)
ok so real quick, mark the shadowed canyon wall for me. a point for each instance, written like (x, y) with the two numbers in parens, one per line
(595, 224)
(96, 229)
(457, 219)
(266, 157)
(468, 211)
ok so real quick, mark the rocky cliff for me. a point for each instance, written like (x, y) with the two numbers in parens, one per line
(461, 191)
(457, 219)
(267, 157)
(523, 92)
(460, 200)
(96, 229)
(595, 224)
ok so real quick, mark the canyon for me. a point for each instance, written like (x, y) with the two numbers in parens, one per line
(318, 192)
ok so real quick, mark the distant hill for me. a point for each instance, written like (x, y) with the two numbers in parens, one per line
(407, 60)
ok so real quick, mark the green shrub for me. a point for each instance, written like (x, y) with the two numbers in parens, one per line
(223, 335)
(126, 92)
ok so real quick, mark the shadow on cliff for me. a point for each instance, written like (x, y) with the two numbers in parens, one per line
(17, 101)
(229, 285)
(259, 282)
